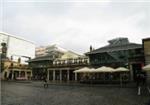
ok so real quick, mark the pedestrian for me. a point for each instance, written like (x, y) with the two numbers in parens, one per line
(45, 82)
(125, 78)
(141, 82)
(145, 82)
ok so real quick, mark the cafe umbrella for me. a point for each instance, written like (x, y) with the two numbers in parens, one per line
(84, 70)
(103, 69)
(121, 69)
(146, 68)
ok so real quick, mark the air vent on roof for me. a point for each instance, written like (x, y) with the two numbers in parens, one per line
(118, 41)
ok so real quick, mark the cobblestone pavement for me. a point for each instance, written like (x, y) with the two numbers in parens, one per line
(34, 94)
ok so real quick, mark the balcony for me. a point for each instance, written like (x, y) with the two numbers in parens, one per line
(71, 62)
(62, 63)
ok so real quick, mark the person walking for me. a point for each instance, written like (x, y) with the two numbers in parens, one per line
(45, 82)
(145, 83)
(141, 82)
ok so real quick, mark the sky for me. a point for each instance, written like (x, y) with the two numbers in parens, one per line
(76, 24)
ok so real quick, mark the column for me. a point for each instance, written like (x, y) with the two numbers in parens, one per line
(60, 72)
(68, 75)
(19, 73)
(75, 76)
(53, 75)
(131, 72)
(31, 74)
(48, 75)
(26, 75)
(7, 74)
(12, 77)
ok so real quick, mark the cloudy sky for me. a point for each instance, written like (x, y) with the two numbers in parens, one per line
(76, 24)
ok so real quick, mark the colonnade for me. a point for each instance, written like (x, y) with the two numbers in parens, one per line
(61, 77)
(15, 73)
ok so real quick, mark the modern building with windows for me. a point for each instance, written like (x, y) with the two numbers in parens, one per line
(40, 51)
(15, 51)
(146, 48)
(119, 53)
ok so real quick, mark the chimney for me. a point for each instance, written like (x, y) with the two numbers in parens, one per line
(91, 48)
(19, 60)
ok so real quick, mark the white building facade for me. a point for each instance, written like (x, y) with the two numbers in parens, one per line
(17, 47)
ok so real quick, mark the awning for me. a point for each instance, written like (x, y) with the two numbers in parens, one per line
(103, 69)
(83, 70)
(121, 69)
(146, 68)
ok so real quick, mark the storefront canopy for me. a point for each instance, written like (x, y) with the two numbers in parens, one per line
(121, 69)
(83, 70)
(103, 69)
(146, 68)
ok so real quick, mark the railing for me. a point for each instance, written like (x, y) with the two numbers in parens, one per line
(19, 67)
(135, 56)
(63, 63)
(104, 61)
(81, 61)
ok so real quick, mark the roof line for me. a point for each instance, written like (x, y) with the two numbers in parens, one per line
(18, 37)
(104, 47)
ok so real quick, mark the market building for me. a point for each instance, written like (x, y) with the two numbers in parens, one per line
(16, 71)
(119, 53)
(14, 53)
(63, 68)
(58, 64)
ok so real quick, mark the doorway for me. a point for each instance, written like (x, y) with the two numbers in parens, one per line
(136, 68)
